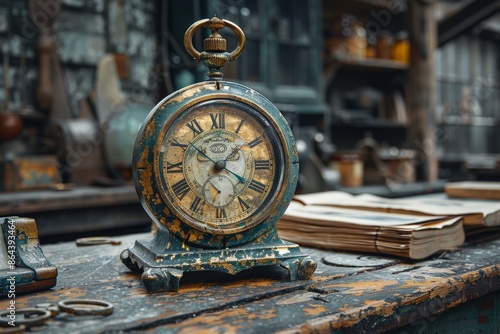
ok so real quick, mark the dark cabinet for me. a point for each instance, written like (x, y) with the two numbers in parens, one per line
(282, 56)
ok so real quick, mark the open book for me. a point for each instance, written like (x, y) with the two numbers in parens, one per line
(410, 236)
(474, 212)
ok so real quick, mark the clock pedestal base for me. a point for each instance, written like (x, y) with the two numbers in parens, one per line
(164, 259)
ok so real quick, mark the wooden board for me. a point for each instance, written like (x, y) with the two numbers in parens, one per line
(473, 189)
(349, 293)
(12, 203)
(77, 212)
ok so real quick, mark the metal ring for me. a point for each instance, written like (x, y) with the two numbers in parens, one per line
(188, 38)
(93, 241)
(40, 318)
(104, 309)
(17, 329)
(52, 308)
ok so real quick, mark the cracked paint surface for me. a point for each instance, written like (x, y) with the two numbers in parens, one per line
(336, 298)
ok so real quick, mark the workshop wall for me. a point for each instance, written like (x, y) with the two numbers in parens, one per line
(83, 32)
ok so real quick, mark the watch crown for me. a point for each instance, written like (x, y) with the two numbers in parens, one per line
(215, 42)
(214, 55)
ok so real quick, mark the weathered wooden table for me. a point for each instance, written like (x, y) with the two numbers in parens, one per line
(352, 293)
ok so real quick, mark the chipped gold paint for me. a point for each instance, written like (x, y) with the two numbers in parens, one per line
(145, 179)
(427, 271)
(360, 288)
(54, 297)
(327, 278)
(229, 267)
(382, 307)
(189, 93)
(297, 299)
(174, 226)
(441, 287)
(143, 160)
(149, 130)
(318, 309)
(157, 199)
(436, 288)
(349, 317)
(217, 322)
(28, 226)
(197, 264)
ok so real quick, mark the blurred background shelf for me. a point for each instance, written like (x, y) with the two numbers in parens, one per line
(98, 210)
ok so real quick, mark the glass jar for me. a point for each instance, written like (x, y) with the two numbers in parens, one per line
(401, 47)
(345, 38)
(371, 46)
(350, 167)
(384, 45)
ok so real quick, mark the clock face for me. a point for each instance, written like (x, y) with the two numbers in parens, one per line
(221, 166)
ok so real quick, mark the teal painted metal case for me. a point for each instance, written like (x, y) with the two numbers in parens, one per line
(25, 268)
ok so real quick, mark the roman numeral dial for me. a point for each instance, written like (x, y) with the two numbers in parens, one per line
(195, 127)
(174, 167)
(218, 120)
(220, 166)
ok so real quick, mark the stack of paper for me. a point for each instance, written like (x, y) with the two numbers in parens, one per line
(474, 212)
(473, 189)
(404, 235)
(414, 227)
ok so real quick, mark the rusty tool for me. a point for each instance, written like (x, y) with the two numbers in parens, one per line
(11, 125)
(44, 93)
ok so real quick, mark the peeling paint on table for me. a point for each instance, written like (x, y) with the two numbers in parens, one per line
(336, 299)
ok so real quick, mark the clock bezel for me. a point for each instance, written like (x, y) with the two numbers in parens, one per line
(147, 150)
(257, 215)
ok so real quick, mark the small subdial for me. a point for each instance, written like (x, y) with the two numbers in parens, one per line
(219, 191)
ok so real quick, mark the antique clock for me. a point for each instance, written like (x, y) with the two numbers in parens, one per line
(215, 166)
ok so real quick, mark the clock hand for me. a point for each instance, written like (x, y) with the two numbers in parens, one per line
(218, 191)
(241, 179)
(220, 165)
(214, 192)
(202, 153)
